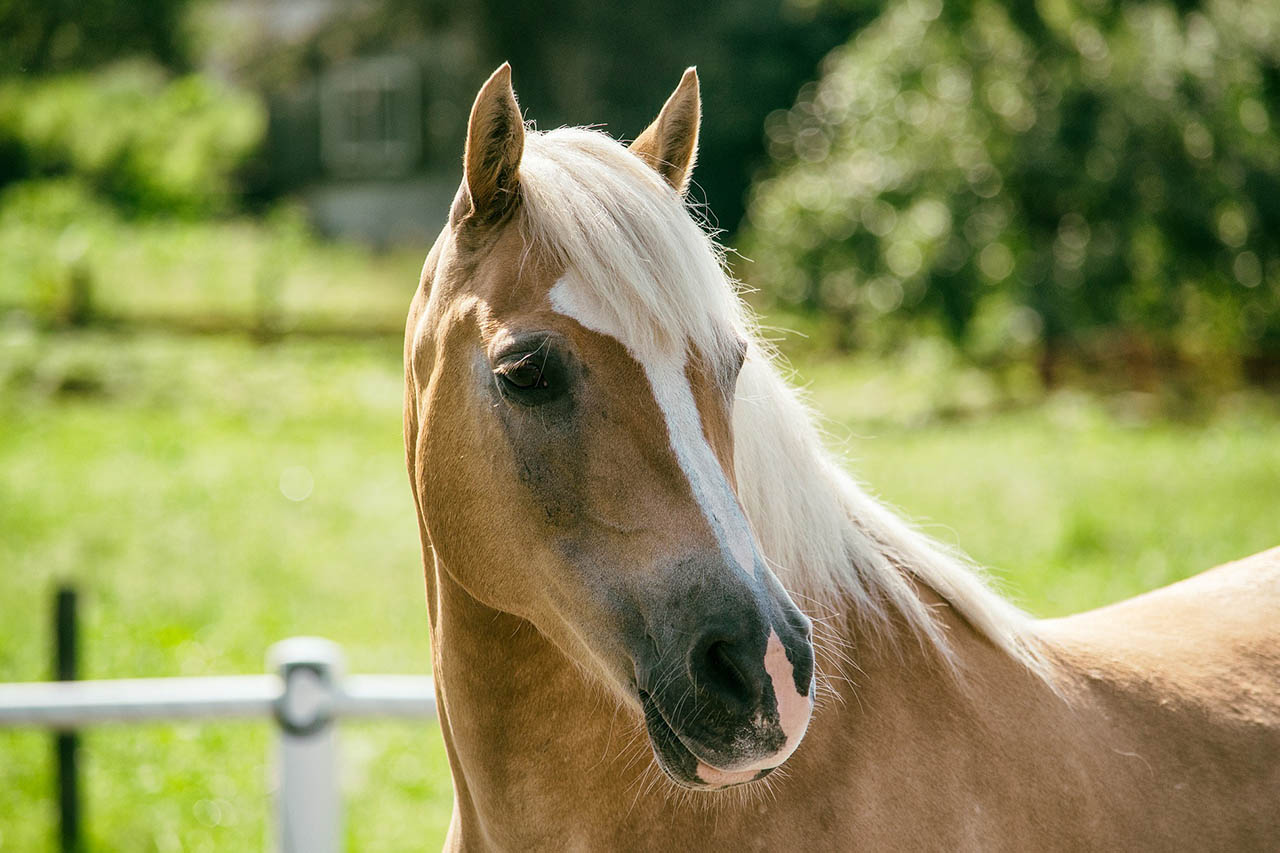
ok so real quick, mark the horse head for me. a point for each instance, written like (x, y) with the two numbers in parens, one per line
(571, 364)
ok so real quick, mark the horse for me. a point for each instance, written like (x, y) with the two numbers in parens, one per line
(663, 617)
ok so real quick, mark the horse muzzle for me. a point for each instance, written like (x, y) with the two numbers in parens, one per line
(739, 713)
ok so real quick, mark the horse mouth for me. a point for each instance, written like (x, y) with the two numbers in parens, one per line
(679, 763)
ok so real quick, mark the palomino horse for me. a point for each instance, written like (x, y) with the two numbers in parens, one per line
(615, 493)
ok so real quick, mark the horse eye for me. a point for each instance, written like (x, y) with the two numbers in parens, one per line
(524, 375)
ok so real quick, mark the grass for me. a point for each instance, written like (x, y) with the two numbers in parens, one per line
(241, 271)
(153, 472)
(150, 472)
(1075, 500)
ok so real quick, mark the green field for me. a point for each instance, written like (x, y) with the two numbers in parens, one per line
(212, 495)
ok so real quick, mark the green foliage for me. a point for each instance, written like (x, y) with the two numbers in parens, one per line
(1035, 177)
(147, 142)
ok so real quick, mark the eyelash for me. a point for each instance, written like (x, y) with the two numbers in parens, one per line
(539, 381)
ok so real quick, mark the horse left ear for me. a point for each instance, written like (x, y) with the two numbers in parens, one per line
(670, 144)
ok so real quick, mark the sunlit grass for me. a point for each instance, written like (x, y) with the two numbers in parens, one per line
(149, 471)
(1074, 500)
(55, 234)
(1072, 508)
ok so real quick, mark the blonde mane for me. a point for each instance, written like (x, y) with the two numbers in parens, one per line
(614, 222)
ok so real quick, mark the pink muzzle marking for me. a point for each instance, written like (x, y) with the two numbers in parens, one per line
(794, 710)
(716, 778)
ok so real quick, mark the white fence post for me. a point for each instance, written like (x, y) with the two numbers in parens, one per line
(308, 805)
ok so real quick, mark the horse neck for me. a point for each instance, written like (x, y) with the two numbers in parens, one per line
(889, 686)
(527, 733)
(538, 751)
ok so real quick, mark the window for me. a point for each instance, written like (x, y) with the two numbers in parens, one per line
(371, 118)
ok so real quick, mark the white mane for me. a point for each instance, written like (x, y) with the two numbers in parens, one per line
(609, 217)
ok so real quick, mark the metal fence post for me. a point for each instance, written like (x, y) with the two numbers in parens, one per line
(66, 666)
(308, 804)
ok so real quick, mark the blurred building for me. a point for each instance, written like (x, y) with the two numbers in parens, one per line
(369, 98)
(367, 130)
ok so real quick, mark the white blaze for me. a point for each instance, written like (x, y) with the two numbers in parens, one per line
(674, 396)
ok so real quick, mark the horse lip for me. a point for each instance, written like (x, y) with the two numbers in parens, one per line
(647, 701)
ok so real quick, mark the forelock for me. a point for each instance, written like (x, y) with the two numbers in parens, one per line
(634, 255)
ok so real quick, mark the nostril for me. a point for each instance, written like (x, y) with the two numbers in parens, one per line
(724, 675)
(801, 625)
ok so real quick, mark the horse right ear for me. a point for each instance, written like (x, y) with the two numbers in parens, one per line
(495, 145)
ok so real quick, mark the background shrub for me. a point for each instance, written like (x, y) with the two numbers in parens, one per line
(1035, 178)
(145, 141)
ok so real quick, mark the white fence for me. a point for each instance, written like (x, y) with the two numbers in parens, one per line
(306, 692)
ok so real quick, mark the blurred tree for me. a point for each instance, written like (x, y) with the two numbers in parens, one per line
(146, 141)
(46, 36)
(579, 61)
(1035, 177)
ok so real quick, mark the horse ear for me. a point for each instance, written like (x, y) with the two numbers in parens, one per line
(670, 144)
(495, 144)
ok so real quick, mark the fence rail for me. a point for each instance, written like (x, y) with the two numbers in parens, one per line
(76, 704)
(306, 694)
